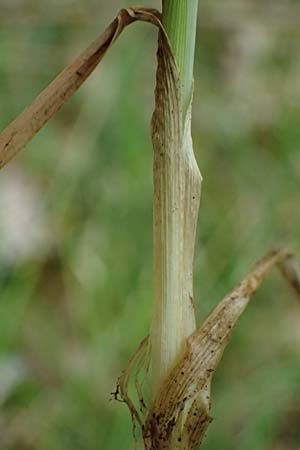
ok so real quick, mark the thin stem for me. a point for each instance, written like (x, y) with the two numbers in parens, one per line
(177, 188)
(180, 21)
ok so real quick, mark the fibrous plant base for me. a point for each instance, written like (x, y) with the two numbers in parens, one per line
(179, 417)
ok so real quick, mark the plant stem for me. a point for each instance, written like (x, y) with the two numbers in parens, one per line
(180, 22)
(177, 187)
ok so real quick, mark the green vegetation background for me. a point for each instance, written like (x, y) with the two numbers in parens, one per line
(76, 212)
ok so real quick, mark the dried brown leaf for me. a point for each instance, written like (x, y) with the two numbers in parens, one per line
(180, 414)
(28, 123)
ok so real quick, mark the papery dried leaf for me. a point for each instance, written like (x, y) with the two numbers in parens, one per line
(176, 421)
(28, 123)
(137, 364)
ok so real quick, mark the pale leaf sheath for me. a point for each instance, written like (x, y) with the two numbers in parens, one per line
(177, 187)
(29, 122)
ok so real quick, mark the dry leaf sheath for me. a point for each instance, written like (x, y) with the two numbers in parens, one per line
(177, 188)
(180, 413)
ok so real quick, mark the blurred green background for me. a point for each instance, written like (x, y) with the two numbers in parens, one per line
(76, 221)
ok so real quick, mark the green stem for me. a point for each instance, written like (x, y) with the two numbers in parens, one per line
(180, 21)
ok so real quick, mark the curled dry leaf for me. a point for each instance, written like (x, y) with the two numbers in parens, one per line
(138, 364)
(180, 413)
(192, 376)
(29, 122)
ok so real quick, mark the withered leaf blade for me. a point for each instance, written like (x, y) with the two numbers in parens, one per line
(180, 414)
(30, 121)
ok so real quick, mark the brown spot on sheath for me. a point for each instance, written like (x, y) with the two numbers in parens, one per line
(157, 418)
